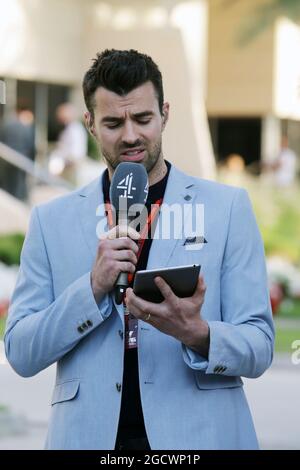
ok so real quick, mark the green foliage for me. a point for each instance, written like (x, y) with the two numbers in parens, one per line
(289, 308)
(284, 339)
(2, 327)
(93, 150)
(10, 248)
(283, 237)
(3, 408)
(277, 211)
(278, 216)
(263, 17)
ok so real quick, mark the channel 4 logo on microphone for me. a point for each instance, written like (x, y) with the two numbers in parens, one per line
(2, 92)
(126, 184)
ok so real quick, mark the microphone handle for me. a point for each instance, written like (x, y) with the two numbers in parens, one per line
(122, 281)
(120, 287)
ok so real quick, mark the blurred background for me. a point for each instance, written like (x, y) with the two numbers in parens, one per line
(231, 72)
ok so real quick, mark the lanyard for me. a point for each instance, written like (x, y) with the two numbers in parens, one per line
(131, 323)
(145, 230)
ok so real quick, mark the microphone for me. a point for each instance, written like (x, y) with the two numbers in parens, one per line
(128, 194)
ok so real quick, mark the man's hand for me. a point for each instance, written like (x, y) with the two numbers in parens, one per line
(116, 253)
(177, 317)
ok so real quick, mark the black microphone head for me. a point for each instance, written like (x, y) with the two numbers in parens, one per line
(129, 186)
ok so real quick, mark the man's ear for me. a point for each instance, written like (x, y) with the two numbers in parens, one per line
(165, 114)
(89, 122)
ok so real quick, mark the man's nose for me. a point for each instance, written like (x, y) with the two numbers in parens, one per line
(130, 134)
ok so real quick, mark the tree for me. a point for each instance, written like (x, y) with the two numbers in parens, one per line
(264, 16)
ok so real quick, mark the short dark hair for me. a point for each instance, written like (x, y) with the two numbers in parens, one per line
(121, 71)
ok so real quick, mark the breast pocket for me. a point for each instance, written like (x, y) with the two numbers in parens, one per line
(65, 391)
(212, 381)
(182, 256)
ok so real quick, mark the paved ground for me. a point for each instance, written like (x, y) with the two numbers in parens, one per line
(274, 402)
(23, 421)
(273, 398)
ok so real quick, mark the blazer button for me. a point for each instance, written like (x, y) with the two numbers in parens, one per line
(80, 329)
(89, 323)
(121, 334)
(118, 386)
(84, 325)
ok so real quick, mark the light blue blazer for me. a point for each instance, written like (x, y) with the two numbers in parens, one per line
(188, 402)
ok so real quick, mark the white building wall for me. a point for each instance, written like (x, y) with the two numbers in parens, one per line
(54, 41)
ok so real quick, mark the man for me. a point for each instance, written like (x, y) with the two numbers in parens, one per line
(285, 166)
(181, 387)
(71, 146)
(17, 133)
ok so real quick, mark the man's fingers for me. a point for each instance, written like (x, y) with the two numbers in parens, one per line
(164, 288)
(140, 306)
(132, 304)
(200, 288)
(125, 255)
(120, 231)
(133, 233)
(126, 267)
(120, 244)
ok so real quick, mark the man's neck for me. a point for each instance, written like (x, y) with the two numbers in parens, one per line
(158, 172)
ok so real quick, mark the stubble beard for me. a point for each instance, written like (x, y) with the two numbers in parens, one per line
(149, 164)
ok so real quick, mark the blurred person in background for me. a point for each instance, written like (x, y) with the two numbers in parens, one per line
(285, 166)
(71, 147)
(18, 134)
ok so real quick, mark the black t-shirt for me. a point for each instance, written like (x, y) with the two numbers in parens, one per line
(131, 420)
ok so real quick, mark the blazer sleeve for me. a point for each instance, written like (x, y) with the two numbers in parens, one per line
(242, 343)
(40, 329)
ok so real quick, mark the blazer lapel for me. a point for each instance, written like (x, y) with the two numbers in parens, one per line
(179, 191)
(91, 212)
(94, 222)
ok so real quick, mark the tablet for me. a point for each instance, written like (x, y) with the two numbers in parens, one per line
(182, 280)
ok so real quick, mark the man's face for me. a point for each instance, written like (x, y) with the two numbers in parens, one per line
(129, 128)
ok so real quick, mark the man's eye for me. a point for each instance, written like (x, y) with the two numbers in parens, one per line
(113, 126)
(143, 121)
